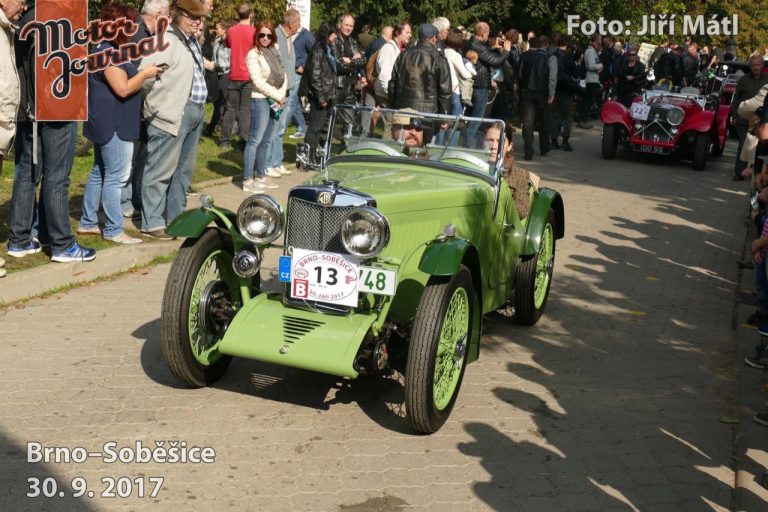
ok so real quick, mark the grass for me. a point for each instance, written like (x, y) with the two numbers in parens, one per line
(212, 162)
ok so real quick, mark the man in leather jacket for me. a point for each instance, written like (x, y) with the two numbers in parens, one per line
(350, 61)
(488, 58)
(421, 79)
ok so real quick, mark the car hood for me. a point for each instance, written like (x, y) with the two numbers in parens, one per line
(409, 188)
(689, 107)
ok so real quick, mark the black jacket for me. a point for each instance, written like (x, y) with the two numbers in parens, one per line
(488, 58)
(690, 69)
(346, 71)
(421, 80)
(669, 66)
(568, 73)
(321, 80)
(25, 66)
(534, 71)
(627, 89)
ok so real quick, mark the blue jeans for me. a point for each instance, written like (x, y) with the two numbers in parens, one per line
(56, 152)
(130, 195)
(297, 115)
(456, 109)
(110, 173)
(260, 136)
(479, 102)
(276, 154)
(456, 106)
(169, 169)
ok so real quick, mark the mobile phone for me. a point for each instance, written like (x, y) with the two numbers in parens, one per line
(162, 66)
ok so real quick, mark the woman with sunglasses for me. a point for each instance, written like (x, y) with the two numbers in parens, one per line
(631, 77)
(320, 74)
(269, 86)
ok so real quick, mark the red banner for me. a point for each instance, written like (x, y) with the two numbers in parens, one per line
(61, 78)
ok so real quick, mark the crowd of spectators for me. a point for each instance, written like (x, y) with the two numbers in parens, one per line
(146, 117)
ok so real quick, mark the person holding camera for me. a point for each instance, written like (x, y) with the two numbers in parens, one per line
(489, 57)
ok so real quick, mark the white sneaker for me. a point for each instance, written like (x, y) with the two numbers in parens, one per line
(264, 183)
(124, 239)
(252, 186)
(272, 172)
(282, 170)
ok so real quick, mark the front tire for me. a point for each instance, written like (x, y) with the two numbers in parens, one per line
(201, 295)
(700, 152)
(610, 141)
(534, 277)
(437, 353)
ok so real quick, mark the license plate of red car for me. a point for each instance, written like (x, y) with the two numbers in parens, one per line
(647, 148)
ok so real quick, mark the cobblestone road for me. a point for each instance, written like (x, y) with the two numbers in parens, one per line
(612, 402)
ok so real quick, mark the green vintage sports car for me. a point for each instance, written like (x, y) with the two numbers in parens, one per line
(391, 255)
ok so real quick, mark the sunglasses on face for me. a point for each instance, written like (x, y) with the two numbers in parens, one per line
(633, 55)
(263, 35)
(192, 18)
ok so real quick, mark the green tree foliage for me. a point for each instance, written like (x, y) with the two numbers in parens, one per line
(541, 16)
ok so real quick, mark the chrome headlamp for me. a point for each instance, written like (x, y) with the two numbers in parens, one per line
(260, 219)
(675, 116)
(364, 232)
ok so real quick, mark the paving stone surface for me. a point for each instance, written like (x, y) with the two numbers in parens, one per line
(613, 401)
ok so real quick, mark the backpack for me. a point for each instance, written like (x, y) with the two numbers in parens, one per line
(371, 73)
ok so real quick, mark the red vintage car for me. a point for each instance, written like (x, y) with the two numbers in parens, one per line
(664, 122)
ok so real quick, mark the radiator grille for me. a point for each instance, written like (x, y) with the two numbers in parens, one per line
(295, 328)
(315, 227)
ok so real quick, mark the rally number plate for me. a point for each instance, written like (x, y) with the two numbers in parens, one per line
(335, 278)
(639, 111)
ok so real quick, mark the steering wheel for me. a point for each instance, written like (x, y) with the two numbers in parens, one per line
(374, 146)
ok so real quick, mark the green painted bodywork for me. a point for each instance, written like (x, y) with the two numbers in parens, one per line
(547, 199)
(418, 201)
(192, 223)
(443, 257)
(324, 343)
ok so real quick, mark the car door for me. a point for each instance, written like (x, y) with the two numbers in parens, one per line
(509, 233)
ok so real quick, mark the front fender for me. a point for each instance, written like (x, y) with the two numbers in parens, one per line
(537, 219)
(443, 257)
(701, 121)
(614, 112)
(192, 223)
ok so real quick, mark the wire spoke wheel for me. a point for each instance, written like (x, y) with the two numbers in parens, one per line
(533, 277)
(449, 358)
(438, 349)
(201, 297)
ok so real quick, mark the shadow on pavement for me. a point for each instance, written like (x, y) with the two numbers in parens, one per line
(633, 366)
(381, 399)
(55, 491)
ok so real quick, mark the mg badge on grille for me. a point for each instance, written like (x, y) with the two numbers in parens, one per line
(325, 198)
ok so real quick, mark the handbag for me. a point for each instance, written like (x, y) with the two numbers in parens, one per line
(748, 149)
(275, 109)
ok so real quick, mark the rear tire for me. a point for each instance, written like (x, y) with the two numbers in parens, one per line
(717, 149)
(534, 277)
(700, 151)
(610, 141)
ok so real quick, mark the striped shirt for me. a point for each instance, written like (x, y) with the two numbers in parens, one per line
(199, 91)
